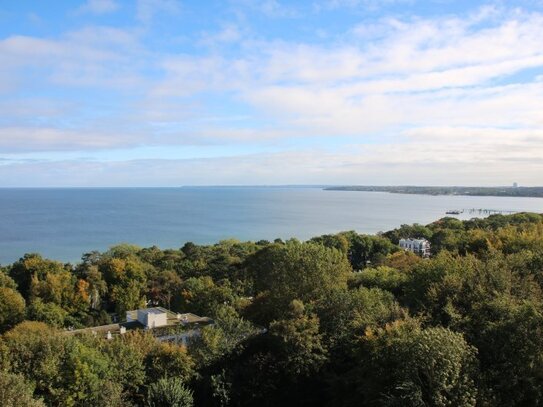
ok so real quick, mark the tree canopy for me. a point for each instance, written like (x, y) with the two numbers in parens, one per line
(340, 320)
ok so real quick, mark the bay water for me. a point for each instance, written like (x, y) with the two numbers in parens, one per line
(65, 223)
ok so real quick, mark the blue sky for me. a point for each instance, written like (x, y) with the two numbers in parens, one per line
(168, 92)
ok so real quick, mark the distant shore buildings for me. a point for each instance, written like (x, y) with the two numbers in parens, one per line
(417, 246)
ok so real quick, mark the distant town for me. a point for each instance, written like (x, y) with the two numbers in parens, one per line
(513, 191)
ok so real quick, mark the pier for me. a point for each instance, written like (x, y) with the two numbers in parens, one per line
(481, 211)
(490, 211)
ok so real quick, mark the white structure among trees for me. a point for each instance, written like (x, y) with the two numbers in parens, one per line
(417, 246)
(149, 317)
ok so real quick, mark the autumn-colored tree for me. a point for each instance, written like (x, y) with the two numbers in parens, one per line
(168, 359)
(127, 282)
(32, 267)
(12, 308)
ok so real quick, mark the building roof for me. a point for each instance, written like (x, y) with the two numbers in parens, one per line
(172, 318)
(422, 240)
(155, 310)
(133, 314)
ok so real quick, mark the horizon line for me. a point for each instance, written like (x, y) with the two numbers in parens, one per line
(265, 186)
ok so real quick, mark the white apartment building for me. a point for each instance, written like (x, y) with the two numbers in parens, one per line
(417, 246)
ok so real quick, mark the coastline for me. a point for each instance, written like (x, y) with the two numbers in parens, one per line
(511, 192)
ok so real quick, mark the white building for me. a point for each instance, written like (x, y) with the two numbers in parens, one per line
(149, 317)
(417, 246)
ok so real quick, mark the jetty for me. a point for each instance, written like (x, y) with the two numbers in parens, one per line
(490, 211)
(480, 211)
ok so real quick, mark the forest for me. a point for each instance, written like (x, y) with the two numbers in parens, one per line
(343, 319)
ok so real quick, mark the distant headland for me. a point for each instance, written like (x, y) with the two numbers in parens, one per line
(513, 191)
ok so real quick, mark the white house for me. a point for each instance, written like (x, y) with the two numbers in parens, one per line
(417, 246)
(149, 317)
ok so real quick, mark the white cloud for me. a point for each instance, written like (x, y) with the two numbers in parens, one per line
(147, 9)
(92, 56)
(455, 94)
(98, 6)
(228, 34)
(425, 72)
(368, 4)
(388, 164)
(25, 139)
(270, 8)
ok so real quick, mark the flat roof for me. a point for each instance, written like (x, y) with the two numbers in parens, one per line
(133, 314)
(172, 321)
(155, 310)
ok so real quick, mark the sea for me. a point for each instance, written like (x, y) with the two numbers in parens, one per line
(65, 223)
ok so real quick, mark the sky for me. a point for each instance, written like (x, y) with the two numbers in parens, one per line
(270, 92)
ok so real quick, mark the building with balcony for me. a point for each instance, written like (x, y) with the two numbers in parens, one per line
(417, 246)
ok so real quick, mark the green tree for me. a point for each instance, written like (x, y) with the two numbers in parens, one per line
(12, 308)
(16, 391)
(163, 287)
(415, 231)
(509, 337)
(66, 371)
(97, 287)
(6, 280)
(32, 267)
(30, 351)
(345, 316)
(226, 335)
(169, 360)
(127, 280)
(383, 277)
(366, 250)
(83, 374)
(55, 287)
(403, 365)
(297, 343)
(340, 241)
(446, 286)
(128, 354)
(452, 240)
(48, 312)
(402, 260)
(200, 295)
(295, 271)
(169, 392)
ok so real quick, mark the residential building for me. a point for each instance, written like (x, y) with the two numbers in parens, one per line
(164, 324)
(417, 246)
(149, 317)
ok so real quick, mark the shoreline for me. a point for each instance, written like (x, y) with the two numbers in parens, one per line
(506, 192)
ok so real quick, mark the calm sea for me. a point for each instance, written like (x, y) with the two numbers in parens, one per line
(65, 223)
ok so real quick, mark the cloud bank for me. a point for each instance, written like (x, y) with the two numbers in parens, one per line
(391, 99)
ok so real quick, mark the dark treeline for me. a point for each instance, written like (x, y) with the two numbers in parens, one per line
(536, 192)
(350, 320)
